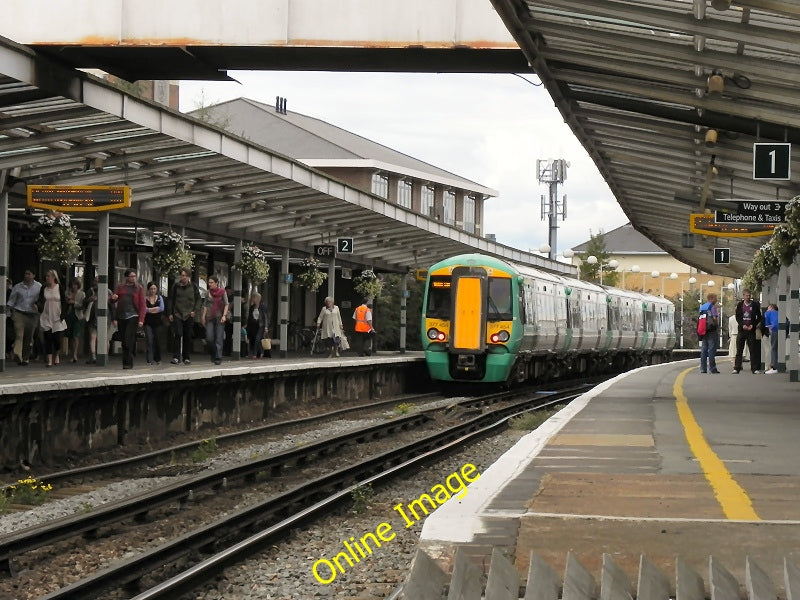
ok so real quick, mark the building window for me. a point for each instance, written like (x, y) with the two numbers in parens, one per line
(469, 213)
(380, 185)
(404, 193)
(427, 201)
(449, 207)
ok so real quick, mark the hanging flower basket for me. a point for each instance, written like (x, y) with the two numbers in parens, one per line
(171, 253)
(58, 239)
(253, 264)
(368, 285)
(311, 277)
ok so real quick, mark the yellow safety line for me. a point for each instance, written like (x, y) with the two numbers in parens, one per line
(735, 502)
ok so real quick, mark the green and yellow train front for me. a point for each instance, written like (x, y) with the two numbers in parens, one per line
(470, 329)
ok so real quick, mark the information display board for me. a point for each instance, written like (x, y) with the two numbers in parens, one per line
(77, 198)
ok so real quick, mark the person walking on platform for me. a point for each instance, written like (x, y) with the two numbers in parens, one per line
(749, 319)
(708, 349)
(52, 302)
(215, 314)
(25, 314)
(75, 317)
(363, 328)
(152, 323)
(183, 304)
(129, 315)
(771, 325)
(329, 324)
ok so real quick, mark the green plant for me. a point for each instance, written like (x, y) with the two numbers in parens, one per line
(253, 264)
(86, 508)
(28, 491)
(311, 277)
(362, 495)
(367, 284)
(205, 450)
(58, 239)
(403, 408)
(531, 420)
(171, 253)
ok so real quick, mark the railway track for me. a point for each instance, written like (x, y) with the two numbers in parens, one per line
(244, 531)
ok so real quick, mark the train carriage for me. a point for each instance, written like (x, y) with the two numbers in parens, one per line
(488, 320)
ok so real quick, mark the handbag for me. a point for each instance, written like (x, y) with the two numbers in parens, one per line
(758, 333)
(87, 312)
(266, 344)
(344, 344)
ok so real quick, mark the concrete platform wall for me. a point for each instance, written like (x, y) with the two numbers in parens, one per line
(39, 425)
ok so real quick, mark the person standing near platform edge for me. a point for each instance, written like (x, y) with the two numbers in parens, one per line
(749, 317)
(363, 328)
(771, 323)
(710, 343)
(183, 303)
(129, 315)
(215, 314)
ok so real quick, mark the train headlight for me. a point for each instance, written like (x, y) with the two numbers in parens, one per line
(436, 335)
(499, 337)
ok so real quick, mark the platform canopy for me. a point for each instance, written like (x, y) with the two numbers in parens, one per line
(64, 127)
(668, 97)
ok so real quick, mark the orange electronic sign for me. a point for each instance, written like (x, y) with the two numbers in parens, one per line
(79, 198)
(705, 224)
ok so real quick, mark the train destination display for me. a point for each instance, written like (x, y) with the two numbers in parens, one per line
(76, 198)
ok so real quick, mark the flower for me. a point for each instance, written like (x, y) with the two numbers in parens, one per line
(58, 239)
(253, 264)
(312, 277)
(367, 284)
(171, 252)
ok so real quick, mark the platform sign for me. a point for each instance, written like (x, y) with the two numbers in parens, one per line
(753, 212)
(344, 245)
(324, 250)
(704, 224)
(722, 256)
(772, 161)
(79, 198)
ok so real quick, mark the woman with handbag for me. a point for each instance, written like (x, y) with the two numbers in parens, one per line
(258, 328)
(329, 322)
(52, 302)
(75, 317)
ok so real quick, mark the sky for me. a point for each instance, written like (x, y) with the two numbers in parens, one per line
(488, 128)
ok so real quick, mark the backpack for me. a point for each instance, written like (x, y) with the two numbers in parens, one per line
(705, 323)
(702, 324)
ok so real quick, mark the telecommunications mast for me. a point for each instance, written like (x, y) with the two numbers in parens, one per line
(553, 172)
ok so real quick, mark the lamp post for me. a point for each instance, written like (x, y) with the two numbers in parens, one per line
(634, 269)
(710, 283)
(569, 253)
(730, 287)
(613, 264)
(672, 276)
(692, 281)
(653, 274)
(592, 260)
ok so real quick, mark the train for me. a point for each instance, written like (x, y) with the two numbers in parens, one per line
(491, 321)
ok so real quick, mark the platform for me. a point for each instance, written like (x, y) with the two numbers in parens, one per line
(662, 461)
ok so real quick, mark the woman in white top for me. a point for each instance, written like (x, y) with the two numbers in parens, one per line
(329, 322)
(52, 303)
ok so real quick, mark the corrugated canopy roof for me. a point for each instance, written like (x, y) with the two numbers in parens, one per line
(629, 77)
(61, 126)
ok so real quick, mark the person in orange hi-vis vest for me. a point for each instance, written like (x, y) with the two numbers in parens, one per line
(363, 328)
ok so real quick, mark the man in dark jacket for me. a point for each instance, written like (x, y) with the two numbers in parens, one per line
(749, 319)
(183, 305)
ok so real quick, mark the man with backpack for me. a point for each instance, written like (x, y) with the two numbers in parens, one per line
(183, 305)
(707, 332)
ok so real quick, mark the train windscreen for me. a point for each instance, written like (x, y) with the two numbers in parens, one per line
(439, 298)
(499, 305)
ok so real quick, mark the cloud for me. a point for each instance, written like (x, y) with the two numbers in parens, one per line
(490, 129)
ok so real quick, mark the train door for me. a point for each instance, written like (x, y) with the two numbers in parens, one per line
(469, 310)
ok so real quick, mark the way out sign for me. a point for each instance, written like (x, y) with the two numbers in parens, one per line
(772, 161)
